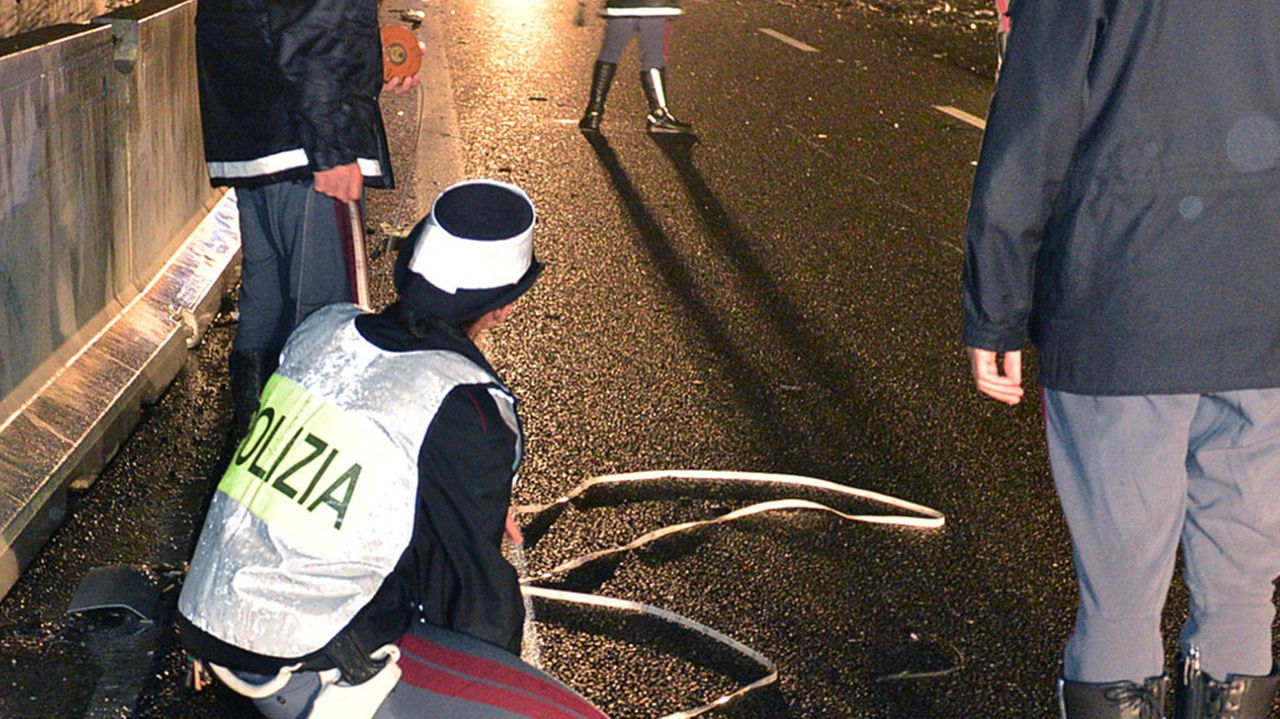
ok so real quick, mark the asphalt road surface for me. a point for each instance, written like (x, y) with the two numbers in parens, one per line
(780, 296)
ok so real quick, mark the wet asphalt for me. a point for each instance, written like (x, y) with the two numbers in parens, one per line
(780, 296)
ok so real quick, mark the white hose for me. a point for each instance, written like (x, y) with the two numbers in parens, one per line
(926, 518)
(530, 645)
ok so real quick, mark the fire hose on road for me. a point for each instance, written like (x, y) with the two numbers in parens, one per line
(915, 516)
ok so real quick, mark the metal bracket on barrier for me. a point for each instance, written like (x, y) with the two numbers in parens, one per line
(124, 34)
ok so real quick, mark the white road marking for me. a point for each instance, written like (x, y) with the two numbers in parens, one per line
(788, 40)
(962, 116)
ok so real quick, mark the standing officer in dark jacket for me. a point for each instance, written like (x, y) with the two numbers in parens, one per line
(289, 102)
(652, 21)
(1125, 219)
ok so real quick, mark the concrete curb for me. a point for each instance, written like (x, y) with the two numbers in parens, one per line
(438, 161)
(67, 432)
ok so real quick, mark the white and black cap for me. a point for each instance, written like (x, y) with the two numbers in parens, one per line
(473, 253)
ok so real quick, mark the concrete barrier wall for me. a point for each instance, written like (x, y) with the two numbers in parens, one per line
(165, 184)
(20, 16)
(100, 178)
(113, 249)
(57, 249)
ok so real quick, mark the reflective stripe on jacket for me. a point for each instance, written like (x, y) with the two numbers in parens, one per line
(641, 8)
(287, 88)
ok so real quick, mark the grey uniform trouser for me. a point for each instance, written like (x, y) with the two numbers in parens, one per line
(1138, 476)
(654, 32)
(293, 264)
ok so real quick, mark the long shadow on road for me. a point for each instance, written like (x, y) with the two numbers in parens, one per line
(752, 388)
(750, 384)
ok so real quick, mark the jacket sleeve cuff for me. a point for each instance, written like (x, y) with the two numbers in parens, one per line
(991, 339)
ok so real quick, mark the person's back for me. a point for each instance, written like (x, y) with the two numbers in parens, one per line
(1124, 218)
(290, 116)
(371, 493)
(1139, 142)
(289, 88)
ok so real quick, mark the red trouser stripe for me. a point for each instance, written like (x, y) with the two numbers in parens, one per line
(436, 668)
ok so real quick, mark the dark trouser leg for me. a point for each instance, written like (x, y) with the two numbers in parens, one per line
(292, 259)
(266, 312)
(1125, 518)
(250, 370)
(1231, 536)
(292, 264)
(1229, 544)
(618, 32)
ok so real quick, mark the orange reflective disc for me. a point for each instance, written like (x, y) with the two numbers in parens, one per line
(401, 55)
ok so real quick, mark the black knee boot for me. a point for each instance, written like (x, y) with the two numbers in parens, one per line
(601, 79)
(1199, 696)
(250, 370)
(660, 119)
(1117, 700)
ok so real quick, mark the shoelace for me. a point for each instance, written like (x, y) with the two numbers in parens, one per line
(1136, 696)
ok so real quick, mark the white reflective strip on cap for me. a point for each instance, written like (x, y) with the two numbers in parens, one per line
(452, 263)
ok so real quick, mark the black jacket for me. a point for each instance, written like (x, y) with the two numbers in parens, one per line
(290, 87)
(1125, 214)
(454, 571)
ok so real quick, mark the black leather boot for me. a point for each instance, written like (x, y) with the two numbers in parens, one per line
(660, 118)
(250, 370)
(1199, 696)
(601, 79)
(1116, 700)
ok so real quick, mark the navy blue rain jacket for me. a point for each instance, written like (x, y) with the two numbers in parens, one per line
(288, 87)
(1125, 215)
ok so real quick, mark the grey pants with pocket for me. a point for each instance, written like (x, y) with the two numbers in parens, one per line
(1141, 476)
(292, 263)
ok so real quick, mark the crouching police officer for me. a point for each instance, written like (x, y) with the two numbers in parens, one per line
(373, 488)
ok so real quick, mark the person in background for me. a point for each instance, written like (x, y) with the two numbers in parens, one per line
(289, 107)
(1124, 219)
(653, 21)
(355, 539)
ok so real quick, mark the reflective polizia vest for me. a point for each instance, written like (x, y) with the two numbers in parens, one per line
(641, 8)
(318, 503)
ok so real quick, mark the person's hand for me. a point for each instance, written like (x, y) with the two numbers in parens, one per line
(994, 380)
(401, 85)
(513, 530)
(343, 183)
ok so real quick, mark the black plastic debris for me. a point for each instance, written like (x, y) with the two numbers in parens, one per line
(118, 587)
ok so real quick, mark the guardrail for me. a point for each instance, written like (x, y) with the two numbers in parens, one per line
(19, 16)
(113, 248)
